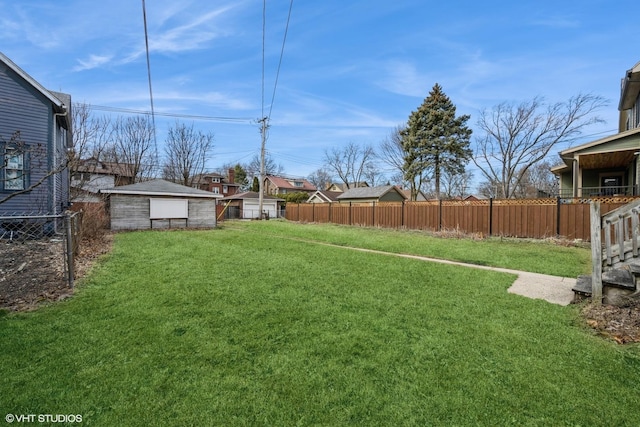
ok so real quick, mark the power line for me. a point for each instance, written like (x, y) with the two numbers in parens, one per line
(146, 42)
(176, 115)
(284, 39)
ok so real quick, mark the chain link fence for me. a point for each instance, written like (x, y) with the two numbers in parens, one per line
(37, 255)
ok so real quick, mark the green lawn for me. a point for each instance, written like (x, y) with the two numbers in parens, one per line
(246, 326)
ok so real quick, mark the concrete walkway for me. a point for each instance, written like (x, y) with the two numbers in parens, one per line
(554, 289)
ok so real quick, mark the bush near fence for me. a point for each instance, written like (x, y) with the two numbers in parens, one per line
(528, 218)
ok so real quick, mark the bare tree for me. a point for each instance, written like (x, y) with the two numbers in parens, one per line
(270, 166)
(321, 178)
(516, 137)
(133, 147)
(489, 189)
(350, 163)
(391, 152)
(91, 134)
(537, 181)
(456, 185)
(186, 153)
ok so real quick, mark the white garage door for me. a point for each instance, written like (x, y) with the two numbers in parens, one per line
(251, 210)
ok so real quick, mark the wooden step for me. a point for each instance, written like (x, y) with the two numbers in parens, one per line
(583, 286)
(619, 278)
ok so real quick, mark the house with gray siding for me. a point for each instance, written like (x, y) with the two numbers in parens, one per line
(382, 193)
(35, 136)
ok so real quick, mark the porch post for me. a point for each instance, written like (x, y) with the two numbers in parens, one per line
(577, 178)
(596, 252)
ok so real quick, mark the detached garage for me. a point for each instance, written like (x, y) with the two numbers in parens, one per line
(160, 204)
(246, 205)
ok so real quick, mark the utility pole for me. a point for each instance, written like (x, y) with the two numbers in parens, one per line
(263, 134)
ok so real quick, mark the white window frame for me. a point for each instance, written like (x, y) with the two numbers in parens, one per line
(15, 173)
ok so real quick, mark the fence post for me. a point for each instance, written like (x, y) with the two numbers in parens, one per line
(490, 216)
(439, 214)
(313, 212)
(558, 216)
(373, 214)
(350, 214)
(596, 252)
(69, 242)
(402, 216)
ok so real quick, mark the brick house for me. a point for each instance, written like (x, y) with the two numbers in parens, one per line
(217, 183)
(279, 185)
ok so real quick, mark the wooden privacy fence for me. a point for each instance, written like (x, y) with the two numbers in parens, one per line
(530, 218)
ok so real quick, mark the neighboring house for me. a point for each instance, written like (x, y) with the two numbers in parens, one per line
(342, 187)
(160, 204)
(35, 136)
(383, 193)
(279, 185)
(246, 205)
(217, 183)
(324, 196)
(608, 166)
(92, 175)
(420, 197)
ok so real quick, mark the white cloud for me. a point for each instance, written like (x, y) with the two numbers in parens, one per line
(94, 61)
(403, 78)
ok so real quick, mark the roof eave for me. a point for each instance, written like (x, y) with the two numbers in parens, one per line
(630, 88)
(159, 193)
(54, 100)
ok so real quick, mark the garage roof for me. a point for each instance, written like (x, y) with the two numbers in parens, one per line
(160, 187)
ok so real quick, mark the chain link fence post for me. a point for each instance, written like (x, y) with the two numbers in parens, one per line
(70, 248)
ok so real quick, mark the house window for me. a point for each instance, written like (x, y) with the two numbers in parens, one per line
(15, 173)
(298, 183)
(82, 176)
(216, 180)
(216, 190)
(225, 189)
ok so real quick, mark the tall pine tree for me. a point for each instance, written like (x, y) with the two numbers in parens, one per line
(435, 141)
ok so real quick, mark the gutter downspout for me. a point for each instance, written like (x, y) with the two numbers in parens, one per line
(55, 158)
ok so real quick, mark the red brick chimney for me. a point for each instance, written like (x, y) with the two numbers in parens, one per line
(232, 175)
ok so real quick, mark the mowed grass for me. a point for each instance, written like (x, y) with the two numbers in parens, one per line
(536, 256)
(245, 326)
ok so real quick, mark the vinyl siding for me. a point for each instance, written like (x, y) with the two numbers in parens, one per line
(24, 109)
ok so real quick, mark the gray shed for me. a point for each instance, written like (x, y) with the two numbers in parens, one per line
(159, 204)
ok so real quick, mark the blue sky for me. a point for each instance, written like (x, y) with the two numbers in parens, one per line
(351, 70)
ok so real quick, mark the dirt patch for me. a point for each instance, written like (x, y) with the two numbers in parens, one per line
(621, 324)
(34, 272)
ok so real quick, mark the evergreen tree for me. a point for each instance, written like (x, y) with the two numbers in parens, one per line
(435, 140)
(255, 186)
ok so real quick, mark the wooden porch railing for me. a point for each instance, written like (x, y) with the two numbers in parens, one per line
(620, 229)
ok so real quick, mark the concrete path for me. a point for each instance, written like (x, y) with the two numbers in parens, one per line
(554, 289)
